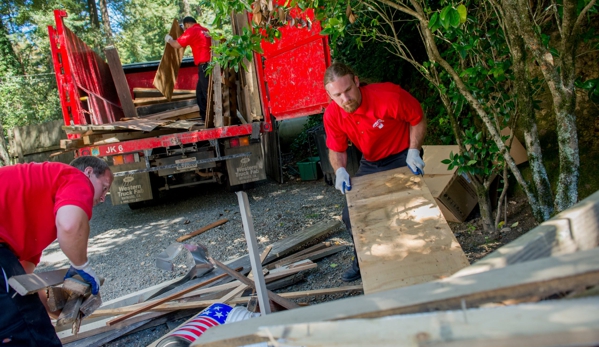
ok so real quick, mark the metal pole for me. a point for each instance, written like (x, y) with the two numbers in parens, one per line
(250, 237)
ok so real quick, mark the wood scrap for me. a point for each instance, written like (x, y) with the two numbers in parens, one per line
(166, 74)
(90, 304)
(523, 325)
(168, 298)
(543, 277)
(202, 230)
(56, 298)
(313, 256)
(149, 110)
(153, 92)
(161, 99)
(98, 139)
(76, 286)
(284, 271)
(31, 283)
(176, 113)
(290, 259)
(271, 296)
(70, 312)
(120, 81)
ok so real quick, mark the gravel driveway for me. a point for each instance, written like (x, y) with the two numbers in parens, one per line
(124, 242)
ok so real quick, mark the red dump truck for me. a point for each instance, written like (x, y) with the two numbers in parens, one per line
(289, 78)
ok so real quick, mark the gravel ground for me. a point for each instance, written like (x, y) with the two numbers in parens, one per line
(124, 242)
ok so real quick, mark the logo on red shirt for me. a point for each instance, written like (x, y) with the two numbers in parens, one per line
(378, 124)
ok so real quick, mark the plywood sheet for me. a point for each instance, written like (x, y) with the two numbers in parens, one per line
(166, 76)
(400, 234)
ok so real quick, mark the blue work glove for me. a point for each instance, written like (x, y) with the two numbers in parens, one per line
(87, 274)
(414, 162)
(342, 182)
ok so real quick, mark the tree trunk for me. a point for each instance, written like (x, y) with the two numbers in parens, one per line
(106, 21)
(185, 8)
(525, 109)
(429, 42)
(93, 14)
(559, 77)
(4, 157)
(484, 204)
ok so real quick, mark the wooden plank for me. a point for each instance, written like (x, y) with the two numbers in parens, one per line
(572, 230)
(57, 298)
(149, 110)
(120, 81)
(252, 244)
(167, 299)
(31, 283)
(166, 75)
(217, 96)
(71, 144)
(202, 230)
(301, 239)
(161, 99)
(70, 312)
(174, 306)
(153, 92)
(521, 325)
(273, 276)
(249, 79)
(271, 296)
(175, 113)
(76, 286)
(89, 305)
(122, 136)
(543, 277)
(399, 231)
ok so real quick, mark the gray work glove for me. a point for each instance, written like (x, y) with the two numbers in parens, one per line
(167, 38)
(414, 162)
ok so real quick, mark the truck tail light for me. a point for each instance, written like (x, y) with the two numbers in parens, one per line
(234, 142)
(244, 141)
(118, 160)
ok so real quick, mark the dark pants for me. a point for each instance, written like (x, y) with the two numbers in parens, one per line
(202, 89)
(23, 319)
(369, 167)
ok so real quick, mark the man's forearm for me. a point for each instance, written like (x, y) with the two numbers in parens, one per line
(417, 134)
(73, 232)
(337, 159)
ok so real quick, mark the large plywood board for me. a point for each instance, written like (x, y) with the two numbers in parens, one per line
(166, 76)
(400, 234)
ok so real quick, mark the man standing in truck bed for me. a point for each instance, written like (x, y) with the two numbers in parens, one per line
(40, 202)
(382, 120)
(199, 39)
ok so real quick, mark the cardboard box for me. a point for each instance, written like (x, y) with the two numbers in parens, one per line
(455, 194)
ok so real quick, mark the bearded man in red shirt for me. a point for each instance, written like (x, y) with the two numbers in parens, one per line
(198, 38)
(382, 120)
(40, 202)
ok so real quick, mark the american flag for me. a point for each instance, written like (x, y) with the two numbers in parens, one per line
(214, 315)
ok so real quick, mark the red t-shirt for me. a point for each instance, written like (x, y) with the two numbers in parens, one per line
(379, 127)
(30, 196)
(198, 38)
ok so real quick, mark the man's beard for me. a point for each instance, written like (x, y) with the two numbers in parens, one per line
(350, 106)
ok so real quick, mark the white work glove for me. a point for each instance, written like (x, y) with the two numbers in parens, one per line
(167, 38)
(87, 273)
(414, 162)
(342, 180)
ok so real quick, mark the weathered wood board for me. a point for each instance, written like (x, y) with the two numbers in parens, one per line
(166, 76)
(400, 234)
(120, 81)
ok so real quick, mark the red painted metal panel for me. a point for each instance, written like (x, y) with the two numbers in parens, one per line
(167, 140)
(293, 68)
(186, 79)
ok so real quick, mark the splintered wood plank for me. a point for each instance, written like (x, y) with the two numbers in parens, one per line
(153, 92)
(31, 283)
(162, 99)
(166, 75)
(120, 81)
(543, 277)
(400, 234)
(217, 96)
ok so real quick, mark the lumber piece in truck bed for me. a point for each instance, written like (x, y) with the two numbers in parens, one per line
(153, 92)
(400, 234)
(520, 325)
(166, 74)
(179, 112)
(574, 229)
(161, 99)
(543, 277)
(120, 81)
(31, 283)
(122, 136)
(150, 110)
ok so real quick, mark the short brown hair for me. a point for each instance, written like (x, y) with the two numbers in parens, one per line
(337, 70)
(99, 165)
(189, 20)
